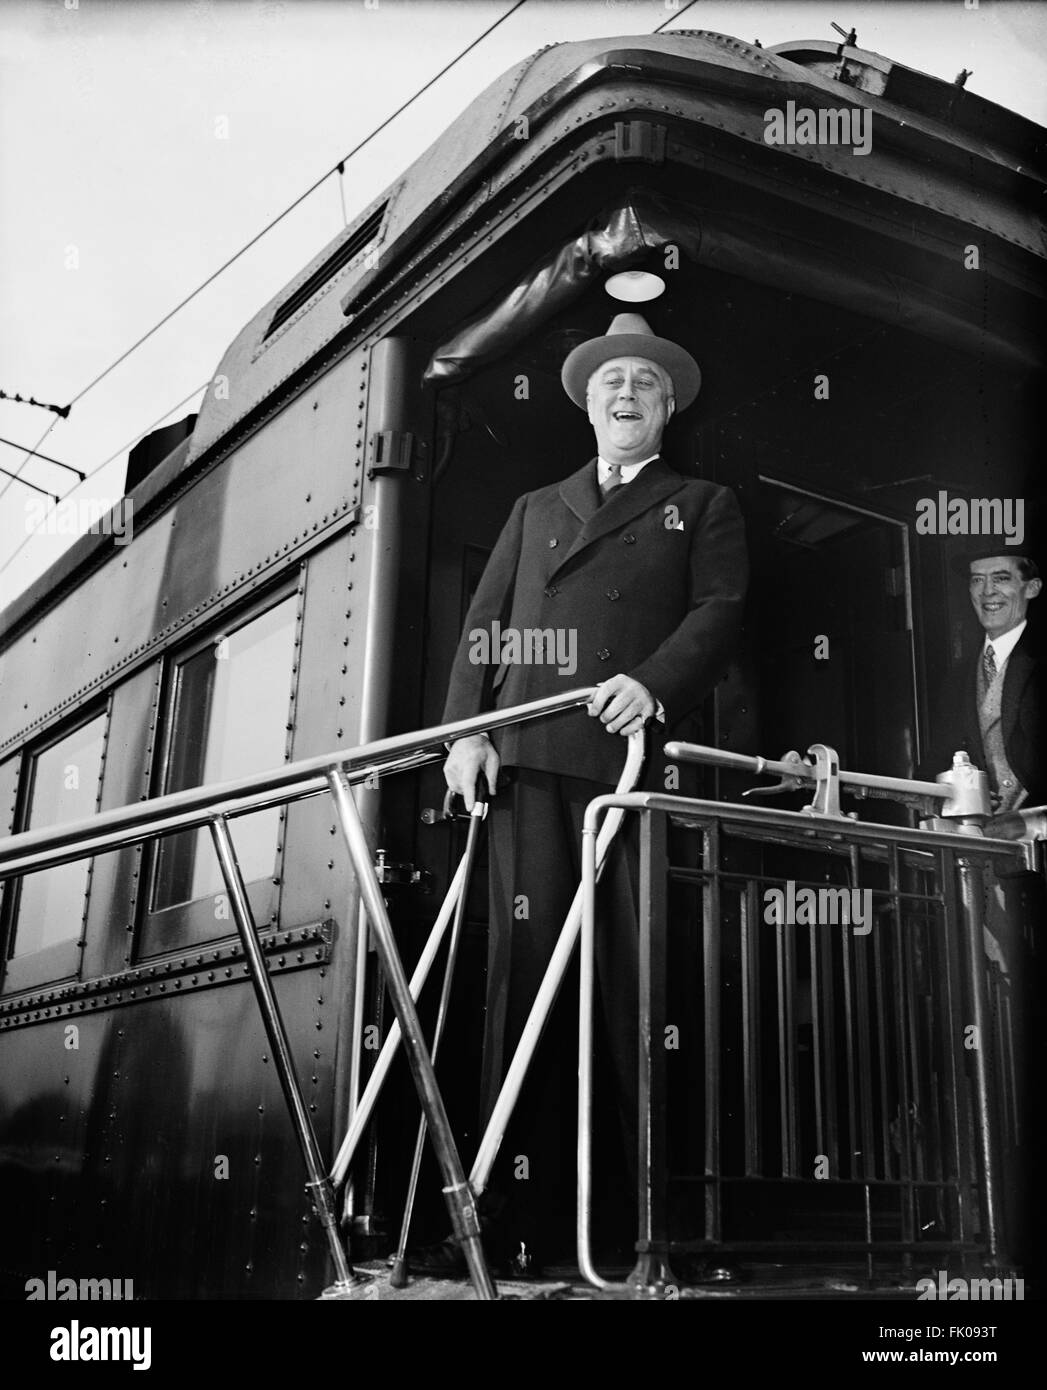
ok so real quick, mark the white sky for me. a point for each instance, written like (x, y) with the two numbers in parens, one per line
(108, 116)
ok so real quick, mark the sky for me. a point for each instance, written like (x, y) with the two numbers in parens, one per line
(144, 142)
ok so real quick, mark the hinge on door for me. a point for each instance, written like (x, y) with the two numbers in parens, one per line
(639, 140)
(390, 451)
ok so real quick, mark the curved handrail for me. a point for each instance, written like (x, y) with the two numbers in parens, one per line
(184, 810)
(536, 1020)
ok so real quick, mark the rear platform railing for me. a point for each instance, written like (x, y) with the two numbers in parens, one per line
(334, 774)
(861, 1073)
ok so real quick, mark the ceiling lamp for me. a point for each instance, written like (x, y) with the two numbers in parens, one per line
(635, 286)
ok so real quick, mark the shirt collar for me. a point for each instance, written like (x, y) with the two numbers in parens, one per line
(629, 470)
(1003, 646)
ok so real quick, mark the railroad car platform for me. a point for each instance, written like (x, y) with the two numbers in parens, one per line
(564, 1284)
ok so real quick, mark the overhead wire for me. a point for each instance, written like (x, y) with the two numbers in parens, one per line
(16, 476)
(677, 15)
(19, 399)
(339, 169)
(26, 483)
(11, 444)
(279, 218)
(124, 448)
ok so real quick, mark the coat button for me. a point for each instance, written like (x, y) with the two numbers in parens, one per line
(604, 654)
(612, 594)
(629, 538)
(552, 591)
(553, 543)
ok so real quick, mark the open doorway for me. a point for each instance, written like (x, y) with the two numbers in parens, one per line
(831, 630)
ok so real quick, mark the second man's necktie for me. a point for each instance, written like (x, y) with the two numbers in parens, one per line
(989, 664)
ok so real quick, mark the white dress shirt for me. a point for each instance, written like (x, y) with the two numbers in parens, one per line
(629, 470)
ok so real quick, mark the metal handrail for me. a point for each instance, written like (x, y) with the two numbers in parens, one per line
(162, 815)
(652, 1274)
(501, 1113)
(213, 806)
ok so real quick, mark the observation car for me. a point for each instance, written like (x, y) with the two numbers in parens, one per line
(303, 554)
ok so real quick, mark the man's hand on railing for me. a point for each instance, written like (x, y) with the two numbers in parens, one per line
(467, 758)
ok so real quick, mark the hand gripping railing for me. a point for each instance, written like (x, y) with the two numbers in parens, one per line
(536, 1020)
(213, 806)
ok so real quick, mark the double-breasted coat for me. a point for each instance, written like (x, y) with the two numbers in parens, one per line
(650, 582)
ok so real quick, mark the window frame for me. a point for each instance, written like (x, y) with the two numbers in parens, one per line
(191, 925)
(62, 961)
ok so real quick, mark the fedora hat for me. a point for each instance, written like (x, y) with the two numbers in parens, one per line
(962, 558)
(630, 335)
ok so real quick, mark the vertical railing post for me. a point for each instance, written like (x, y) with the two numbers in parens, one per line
(652, 1272)
(711, 1010)
(971, 896)
(587, 968)
(460, 1200)
(318, 1186)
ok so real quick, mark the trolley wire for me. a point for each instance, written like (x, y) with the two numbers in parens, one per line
(674, 16)
(19, 399)
(26, 483)
(16, 476)
(11, 444)
(124, 448)
(339, 169)
(335, 168)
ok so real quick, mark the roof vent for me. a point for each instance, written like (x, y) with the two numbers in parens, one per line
(367, 232)
(154, 448)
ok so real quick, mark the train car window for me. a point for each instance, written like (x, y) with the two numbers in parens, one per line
(62, 785)
(228, 708)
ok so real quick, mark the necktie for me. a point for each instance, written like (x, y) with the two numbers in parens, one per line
(989, 664)
(613, 480)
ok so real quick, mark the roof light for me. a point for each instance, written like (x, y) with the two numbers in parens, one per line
(635, 286)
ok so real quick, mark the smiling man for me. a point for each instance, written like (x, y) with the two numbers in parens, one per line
(1004, 706)
(647, 570)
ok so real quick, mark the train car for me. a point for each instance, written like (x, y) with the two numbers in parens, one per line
(853, 251)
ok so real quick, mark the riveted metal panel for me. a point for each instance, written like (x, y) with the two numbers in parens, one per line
(238, 527)
(9, 774)
(724, 82)
(317, 877)
(158, 1147)
(125, 779)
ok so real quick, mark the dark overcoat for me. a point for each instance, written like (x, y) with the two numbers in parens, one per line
(1021, 716)
(956, 726)
(650, 583)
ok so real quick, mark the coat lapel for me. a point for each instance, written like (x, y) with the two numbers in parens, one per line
(1019, 669)
(581, 494)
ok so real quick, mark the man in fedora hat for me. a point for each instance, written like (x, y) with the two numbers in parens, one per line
(647, 570)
